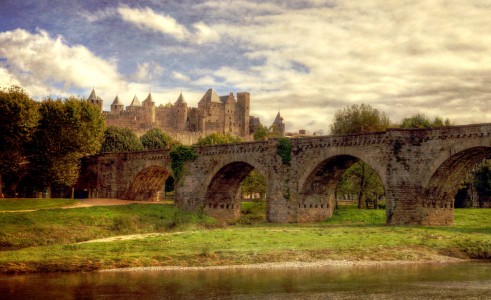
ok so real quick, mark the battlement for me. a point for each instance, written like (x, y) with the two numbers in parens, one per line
(186, 124)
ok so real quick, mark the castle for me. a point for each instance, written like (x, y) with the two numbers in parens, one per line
(223, 114)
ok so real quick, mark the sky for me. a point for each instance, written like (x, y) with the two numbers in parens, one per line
(304, 58)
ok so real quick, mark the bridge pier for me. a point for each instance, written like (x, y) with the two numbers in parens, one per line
(421, 170)
(404, 207)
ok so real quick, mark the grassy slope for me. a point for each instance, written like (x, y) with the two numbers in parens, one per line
(63, 226)
(351, 234)
(32, 204)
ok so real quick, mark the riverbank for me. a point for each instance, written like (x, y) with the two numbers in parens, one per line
(296, 265)
(161, 236)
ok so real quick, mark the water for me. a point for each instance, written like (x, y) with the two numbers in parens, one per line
(434, 281)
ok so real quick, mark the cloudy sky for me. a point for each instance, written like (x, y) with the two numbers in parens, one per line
(307, 58)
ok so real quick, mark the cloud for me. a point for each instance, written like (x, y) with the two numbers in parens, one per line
(44, 65)
(207, 80)
(180, 76)
(402, 56)
(147, 18)
(96, 16)
(148, 72)
(205, 34)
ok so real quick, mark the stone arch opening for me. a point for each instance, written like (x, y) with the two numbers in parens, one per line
(148, 184)
(318, 193)
(224, 196)
(437, 198)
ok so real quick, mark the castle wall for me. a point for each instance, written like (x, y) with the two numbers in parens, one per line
(185, 124)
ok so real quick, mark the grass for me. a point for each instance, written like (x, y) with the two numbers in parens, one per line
(63, 226)
(33, 204)
(190, 240)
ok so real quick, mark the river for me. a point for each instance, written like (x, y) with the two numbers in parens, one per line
(408, 281)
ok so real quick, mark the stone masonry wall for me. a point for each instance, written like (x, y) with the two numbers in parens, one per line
(420, 171)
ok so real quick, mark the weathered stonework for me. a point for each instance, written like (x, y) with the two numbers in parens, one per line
(223, 114)
(420, 170)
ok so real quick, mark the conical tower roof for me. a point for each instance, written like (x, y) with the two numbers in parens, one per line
(180, 100)
(135, 102)
(117, 101)
(149, 98)
(210, 96)
(92, 95)
(278, 119)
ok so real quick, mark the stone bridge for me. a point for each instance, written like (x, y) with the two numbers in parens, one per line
(420, 169)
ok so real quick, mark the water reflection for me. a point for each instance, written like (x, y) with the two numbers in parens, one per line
(454, 281)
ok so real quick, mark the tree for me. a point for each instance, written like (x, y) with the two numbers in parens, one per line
(156, 139)
(118, 139)
(482, 183)
(359, 119)
(19, 119)
(422, 121)
(219, 139)
(254, 183)
(68, 130)
(360, 178)
(263, 133)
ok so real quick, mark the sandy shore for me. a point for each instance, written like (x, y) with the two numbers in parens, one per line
(296, 265)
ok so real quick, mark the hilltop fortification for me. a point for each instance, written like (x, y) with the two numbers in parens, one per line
(224, 114)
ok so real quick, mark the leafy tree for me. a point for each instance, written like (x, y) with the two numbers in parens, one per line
(482, 183)
(261, 133)
(156, 139)
(254, 183)
(359, 119)
(219, 139)
(422, 121)
(19, 118)
(68, 130)
(360, 179)
(463, 198)
(274, 132)
(118, 139)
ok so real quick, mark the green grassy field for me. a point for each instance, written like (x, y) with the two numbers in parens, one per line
(45, 240)
(33, 204)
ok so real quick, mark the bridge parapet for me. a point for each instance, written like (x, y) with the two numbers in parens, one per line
(419, 168)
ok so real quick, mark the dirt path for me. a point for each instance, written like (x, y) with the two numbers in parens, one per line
(93, 202)
(108, 202)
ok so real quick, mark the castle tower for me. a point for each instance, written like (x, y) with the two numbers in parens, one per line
(243, 102)
(211, 116)
(229, 118)
(135, 105)
(94, 99)
(149, 109)
(181, 113)
(279, 125)
(117, 106)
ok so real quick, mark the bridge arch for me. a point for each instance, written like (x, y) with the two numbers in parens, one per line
(148, 184)
(437, 197)
(223, 194)
(317, 188)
